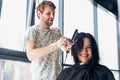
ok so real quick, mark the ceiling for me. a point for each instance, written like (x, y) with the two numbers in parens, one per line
(110, 5)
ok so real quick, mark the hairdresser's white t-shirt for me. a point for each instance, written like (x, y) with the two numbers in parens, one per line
(48, 67)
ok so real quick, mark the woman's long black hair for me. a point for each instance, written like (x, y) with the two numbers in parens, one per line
(78, 45)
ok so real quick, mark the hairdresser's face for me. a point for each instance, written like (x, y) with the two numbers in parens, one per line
(85, 54)
(47, 16)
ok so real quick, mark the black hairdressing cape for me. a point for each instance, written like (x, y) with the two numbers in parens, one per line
(84, 72)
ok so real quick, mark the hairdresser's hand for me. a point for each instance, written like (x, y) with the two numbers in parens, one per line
(69, 45)
(64, 44)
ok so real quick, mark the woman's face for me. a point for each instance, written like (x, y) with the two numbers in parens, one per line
(85, 54)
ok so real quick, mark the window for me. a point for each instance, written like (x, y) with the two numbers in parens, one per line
(13, 22)
(12, 27)
(107, 39)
